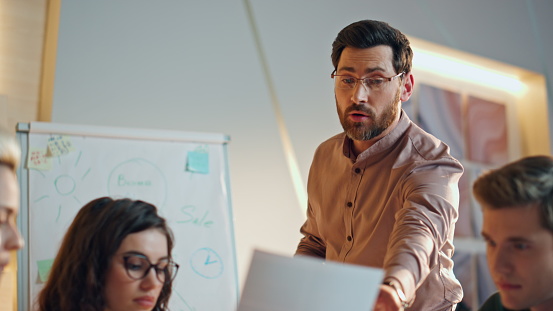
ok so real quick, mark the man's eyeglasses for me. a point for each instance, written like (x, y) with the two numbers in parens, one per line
(349, 82)
(138, 266)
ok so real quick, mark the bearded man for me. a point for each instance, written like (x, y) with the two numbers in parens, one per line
(384, 193)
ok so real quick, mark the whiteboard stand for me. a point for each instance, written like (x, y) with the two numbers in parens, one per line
(23, 283)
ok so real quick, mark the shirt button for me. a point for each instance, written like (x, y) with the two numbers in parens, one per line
(349, 204)
(349, 238)
(357, 170)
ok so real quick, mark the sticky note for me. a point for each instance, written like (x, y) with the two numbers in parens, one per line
(44, 267)
(59, 145)
(198, 162)
(37, 159)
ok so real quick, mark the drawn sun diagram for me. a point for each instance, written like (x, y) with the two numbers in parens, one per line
(64, 184)
(135, 178)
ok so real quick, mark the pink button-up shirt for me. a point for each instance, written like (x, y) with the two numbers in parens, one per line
(393, 207)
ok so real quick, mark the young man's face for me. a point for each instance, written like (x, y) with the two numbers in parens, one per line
(520, 256)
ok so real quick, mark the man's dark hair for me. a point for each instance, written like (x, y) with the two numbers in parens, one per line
(369, 33)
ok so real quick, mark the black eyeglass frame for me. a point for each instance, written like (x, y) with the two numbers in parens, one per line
(171, 269)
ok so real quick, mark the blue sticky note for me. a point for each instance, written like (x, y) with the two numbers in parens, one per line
(198, 162)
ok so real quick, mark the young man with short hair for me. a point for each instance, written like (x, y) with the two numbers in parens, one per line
(517, 205)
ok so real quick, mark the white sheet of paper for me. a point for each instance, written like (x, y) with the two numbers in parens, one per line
(302, 283)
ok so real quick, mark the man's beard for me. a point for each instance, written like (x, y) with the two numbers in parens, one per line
(362, 131)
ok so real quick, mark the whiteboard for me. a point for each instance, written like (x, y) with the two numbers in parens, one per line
(184, 174)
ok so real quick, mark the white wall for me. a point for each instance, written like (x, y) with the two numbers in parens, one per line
(193, 66)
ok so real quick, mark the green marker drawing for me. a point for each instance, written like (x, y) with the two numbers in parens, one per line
(42, 198)
(78, 158)
(65, 184)
(184, 301)
(138, 178)
(82, 178)
(59, 213)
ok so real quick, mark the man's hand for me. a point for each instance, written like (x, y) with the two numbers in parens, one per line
(387, 300)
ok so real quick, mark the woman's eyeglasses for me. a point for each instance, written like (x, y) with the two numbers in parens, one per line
(138, 266)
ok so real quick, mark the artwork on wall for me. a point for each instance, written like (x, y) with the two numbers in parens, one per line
(486, 131)
(440, 113)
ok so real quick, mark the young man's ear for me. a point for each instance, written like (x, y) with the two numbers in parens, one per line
(408, 83)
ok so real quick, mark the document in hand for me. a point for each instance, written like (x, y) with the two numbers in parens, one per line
(302, 283)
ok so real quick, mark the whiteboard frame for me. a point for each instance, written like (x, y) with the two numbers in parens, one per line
(23, 280)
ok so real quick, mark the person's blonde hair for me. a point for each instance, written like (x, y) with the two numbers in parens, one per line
(10, 152)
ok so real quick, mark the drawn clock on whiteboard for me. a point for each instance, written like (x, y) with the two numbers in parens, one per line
(207, 263)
